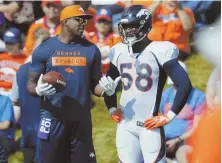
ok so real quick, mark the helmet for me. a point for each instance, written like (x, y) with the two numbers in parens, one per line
(135, 23)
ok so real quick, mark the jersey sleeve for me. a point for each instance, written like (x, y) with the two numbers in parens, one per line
(39, 58)
(165, 51)
(181, 80)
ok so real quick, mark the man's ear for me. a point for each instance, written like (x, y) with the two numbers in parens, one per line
(65, 22)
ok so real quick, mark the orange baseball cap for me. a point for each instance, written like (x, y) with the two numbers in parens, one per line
(45, 2)
(73, 11)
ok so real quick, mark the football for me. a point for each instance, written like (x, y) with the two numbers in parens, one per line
(56, 79)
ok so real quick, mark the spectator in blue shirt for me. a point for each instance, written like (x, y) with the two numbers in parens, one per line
(7, 129)
(182, 127)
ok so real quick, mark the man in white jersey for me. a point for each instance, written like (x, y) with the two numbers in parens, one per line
(143, 66)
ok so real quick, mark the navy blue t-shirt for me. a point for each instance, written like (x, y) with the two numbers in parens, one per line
(30, 109)
(79, 63)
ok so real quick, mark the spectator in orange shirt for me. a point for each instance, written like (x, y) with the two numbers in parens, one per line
(11, 60)
(172, 22)
(104, 38)
(206, 141)
(49, 25)
(90, 27)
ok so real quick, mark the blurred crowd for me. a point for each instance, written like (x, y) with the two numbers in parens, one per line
(26, 24)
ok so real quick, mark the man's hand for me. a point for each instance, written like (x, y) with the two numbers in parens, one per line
(177, 4)
(108, 85)
(44, 89)
(116, 115)
(157, 121)
(12, 7)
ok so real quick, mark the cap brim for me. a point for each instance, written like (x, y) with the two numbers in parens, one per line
(86, 16)
(11, 41)
(103, 17)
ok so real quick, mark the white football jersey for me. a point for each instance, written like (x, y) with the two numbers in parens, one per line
(141, 77)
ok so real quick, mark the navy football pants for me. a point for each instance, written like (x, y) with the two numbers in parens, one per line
(63, 141)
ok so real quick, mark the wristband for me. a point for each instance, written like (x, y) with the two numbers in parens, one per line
(171, 115)
(111, 110)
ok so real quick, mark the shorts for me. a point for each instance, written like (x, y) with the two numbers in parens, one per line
(3, 156)
(172, 154)
(65, 141)
(7, 147)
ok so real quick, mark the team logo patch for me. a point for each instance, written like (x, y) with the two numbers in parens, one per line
(103, 12)
(143, 12)
(69, 70)
(81, 9)
(68, 61)
(92, 155)
(44, 128)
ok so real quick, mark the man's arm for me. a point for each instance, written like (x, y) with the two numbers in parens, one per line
(15, 99)
(96, 74)
(101, 85)
(32, 82)
(213, 89)
(11, 7)
(198, 109)
(36, 68)
(185, 18)
(35, 85)
(7, 115)
(154, 6)
(5, 125)
(189, 133)
(180, 78)
(111, 101)
(178, 75)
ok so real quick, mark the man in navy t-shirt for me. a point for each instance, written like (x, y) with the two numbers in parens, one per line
(65, 131)
(30, 113)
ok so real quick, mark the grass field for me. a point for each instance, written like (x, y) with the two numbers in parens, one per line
(104, 129)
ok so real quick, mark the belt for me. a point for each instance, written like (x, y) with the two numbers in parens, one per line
(141, 124)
